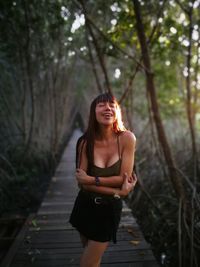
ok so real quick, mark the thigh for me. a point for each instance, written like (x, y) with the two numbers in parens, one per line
(93, 252)
(84, 240)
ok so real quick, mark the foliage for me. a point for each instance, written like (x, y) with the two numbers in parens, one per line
(31, 49)
(22, 184)
(46, 49)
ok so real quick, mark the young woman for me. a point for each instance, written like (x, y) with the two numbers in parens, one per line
(105, 160)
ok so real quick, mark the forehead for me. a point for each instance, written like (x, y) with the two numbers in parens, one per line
(105, 98)
(110, 102)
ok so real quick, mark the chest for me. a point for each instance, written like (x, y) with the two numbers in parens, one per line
(106, 153)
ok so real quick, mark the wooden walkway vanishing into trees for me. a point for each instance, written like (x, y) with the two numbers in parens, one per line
(48, 240)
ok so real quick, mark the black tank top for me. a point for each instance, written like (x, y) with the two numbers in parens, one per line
(113, 170)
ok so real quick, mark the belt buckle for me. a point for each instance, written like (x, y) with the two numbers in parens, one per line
(97, 200)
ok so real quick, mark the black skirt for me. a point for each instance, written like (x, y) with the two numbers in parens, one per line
(96, 217)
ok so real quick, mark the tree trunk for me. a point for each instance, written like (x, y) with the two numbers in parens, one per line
(94, 69)
(174, 176)
(190, 112)
(29, 78)
(97, 48)
(196, 71)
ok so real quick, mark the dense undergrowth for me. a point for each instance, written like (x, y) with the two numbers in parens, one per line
(173, 234)
(23, 181)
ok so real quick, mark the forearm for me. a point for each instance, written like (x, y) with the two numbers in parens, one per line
(105, 185)
(103, 190)
(111, 181)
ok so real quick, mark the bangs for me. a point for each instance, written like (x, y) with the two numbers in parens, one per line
(105, 98)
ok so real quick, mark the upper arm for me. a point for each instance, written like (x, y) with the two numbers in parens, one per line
(128, 143)
(83, 162)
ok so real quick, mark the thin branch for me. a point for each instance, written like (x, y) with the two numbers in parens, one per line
(142, 187)
(11, 117)
(9, 164)
(180, 233)
(100, 57)
(130, 82)
(93, 63)
(28, 60)
(192, 231)
(156, 25)
(127, 90)
(109, 40)
(182, 7)
(116, 46)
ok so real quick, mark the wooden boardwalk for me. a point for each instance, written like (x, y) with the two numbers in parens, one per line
(47, 239)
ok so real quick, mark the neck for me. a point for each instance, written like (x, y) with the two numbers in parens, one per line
(105, 132)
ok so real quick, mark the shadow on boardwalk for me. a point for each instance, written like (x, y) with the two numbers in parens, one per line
(47, 239)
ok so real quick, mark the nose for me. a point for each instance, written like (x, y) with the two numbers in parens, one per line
(108, 106)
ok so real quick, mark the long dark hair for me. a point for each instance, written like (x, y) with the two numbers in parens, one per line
(93, 127)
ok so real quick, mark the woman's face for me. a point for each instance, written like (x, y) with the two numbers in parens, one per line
(106, 113)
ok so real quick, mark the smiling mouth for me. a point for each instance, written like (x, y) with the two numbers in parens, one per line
(107, 115)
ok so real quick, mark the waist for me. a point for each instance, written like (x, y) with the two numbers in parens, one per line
(99, 198)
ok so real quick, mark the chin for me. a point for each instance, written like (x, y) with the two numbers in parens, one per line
(107, 123)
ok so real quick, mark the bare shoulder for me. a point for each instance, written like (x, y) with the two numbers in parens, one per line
(81, 144)
(128, 137)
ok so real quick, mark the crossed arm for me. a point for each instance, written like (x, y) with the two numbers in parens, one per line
(121, 184)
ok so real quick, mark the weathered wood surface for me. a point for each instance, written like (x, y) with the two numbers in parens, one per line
(51, 241)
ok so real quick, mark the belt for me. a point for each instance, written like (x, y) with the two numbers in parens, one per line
(99, 199)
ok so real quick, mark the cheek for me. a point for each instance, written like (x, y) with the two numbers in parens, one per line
(115, 113)
(97, 113)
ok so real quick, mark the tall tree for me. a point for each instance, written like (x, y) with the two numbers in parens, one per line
(150, 85)
(189, 11)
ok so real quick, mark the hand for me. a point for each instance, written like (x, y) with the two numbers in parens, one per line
(128, 184)
(82, 177)
(133, 178)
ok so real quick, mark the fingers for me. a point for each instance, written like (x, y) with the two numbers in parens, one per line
(130, 179)
(129, 183)
(79, 172)
(125, 175)
(134, 176)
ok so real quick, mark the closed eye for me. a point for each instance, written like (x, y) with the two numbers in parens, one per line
(111, 105)
(101, 105)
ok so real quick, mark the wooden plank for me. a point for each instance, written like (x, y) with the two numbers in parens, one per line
(114, 257)
(72, 238)
(66, 247)
(128, 264)
(58, 263)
